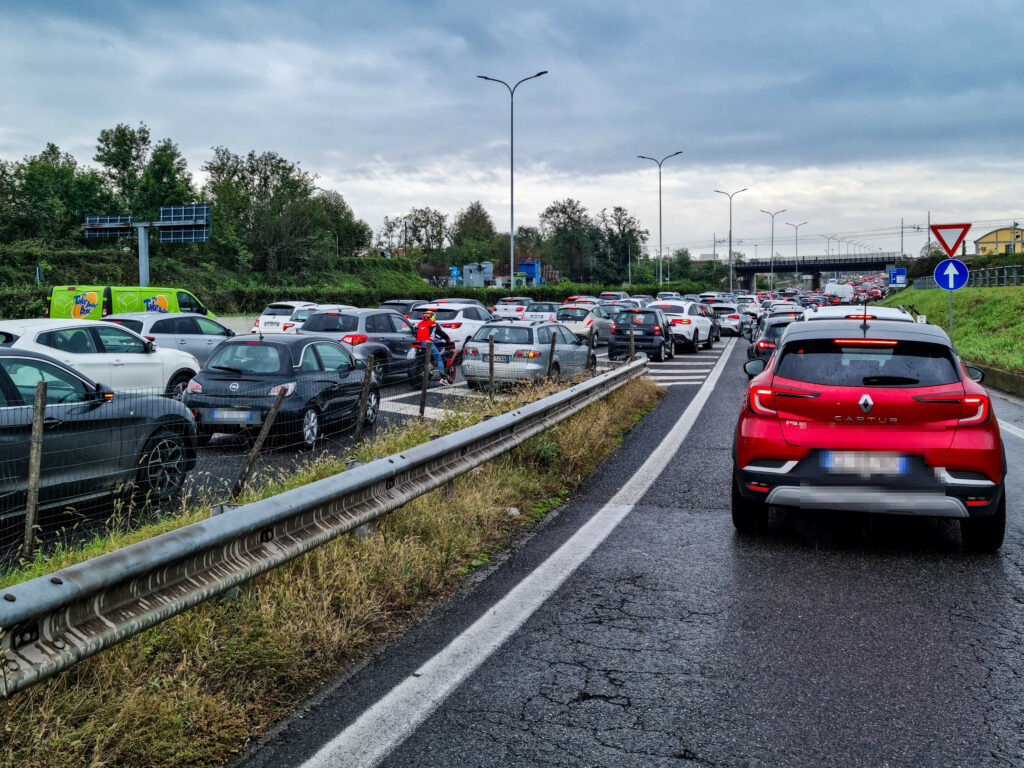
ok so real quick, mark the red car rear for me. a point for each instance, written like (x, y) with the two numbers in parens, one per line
(876, 417)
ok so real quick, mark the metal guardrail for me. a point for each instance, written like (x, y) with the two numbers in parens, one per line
(52, 622)
(991, 277)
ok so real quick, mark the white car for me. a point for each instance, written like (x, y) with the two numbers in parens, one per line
(300, 315)
(511, 307)
(106, 353)
(750, 305)
(690, 327)
(279, 314)
(459, 321)
(541, 310)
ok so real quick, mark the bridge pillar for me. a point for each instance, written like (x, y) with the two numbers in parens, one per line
(816, 281)
(749, 283)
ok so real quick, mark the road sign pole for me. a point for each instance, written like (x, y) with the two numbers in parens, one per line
(950, 315)
(143, 232)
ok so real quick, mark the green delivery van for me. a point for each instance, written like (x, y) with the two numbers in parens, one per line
(79, 302)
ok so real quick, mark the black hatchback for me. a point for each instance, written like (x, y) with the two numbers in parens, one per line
(649, 330)
(236, 389)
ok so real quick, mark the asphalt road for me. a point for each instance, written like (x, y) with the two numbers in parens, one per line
(829, 641)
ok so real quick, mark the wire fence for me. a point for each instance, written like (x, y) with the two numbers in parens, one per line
(77, 464)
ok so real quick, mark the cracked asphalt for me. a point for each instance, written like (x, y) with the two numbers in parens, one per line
(828, 641)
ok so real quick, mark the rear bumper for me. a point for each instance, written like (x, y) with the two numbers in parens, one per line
(859, 499)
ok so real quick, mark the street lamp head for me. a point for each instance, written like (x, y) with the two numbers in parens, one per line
(674, 154)
(541, 73)
(645, 157)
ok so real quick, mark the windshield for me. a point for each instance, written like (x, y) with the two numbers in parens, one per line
(542, 308)
(134, 325)
(504, 334)
(331, 323)
(247, 357)
(872, 362)
(572, 315)
(439, 314)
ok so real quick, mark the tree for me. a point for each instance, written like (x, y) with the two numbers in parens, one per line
(122, 152)
(427, 229)
(528, 240)
(569, 237)
(165, 181)
(624, 238)
(473, 223)
(350, 235)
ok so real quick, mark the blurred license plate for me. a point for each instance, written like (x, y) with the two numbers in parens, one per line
(271, 325)
(228, 414)
(497, 358)
(864, 463)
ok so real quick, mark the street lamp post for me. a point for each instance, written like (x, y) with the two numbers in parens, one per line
(511, 168)
(796, 245)
(659, 162)
(730, 196)
(771, 279)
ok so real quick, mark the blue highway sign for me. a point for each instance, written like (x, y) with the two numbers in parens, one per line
(897, 277)
(950, 274)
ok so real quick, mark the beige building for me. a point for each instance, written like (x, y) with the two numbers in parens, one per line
(1005, 240)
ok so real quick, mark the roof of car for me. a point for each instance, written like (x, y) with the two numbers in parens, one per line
(840, 313)
(446, 305)
(285, 339)
(295, 304)
(41, 324)
(154, 315)
(875, 329)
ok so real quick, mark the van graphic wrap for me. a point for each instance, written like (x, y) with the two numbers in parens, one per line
(156, 304)
(84, 304)
(125, 302)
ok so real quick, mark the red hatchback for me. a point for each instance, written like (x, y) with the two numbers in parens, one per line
(879, 416)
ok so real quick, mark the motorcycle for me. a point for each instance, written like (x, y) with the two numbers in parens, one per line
(449, 357)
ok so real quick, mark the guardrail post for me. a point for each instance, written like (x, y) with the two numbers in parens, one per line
(490, 365)
(35, 458)
(363, 397)
(426, 377)
(243, 476)
(590, 349)
(551, 352)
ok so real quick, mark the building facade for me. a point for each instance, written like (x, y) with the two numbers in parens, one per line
(1005, 240)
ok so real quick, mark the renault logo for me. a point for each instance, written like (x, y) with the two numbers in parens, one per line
(866, 403)
(233, 386)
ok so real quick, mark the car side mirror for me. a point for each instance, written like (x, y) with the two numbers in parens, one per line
(976, 374)
(754, 367)
(230, 333)
(360, 365)
(101, 394)
(746, 333)
(150, 347)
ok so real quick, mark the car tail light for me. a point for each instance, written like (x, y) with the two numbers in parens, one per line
(975, 409)
(520, 309)
(762, 399)
(494, 309)
(527, 353)
(252, 343)
(194, 387)
(657, 330)
(354, 339)
(766, 345)
(286, 326)
(472, 351)
(758, 487)
(451, 325)
(46, 312)
(288, 389)
(734, 317)
(257, 323)
(681, 321)
(613, 327)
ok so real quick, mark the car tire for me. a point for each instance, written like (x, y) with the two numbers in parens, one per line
(985, 534)
(380, 368)
(162, 466)
(372, 407)
(310, 428)
(695, 341)
(710, 342)
(660, 356)
(472, 384)
(178, 385)
(747, 516)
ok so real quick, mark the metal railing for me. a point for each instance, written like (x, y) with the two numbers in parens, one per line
(991, 277)
(52, 622)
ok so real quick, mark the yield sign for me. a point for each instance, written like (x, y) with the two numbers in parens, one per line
(950, 233)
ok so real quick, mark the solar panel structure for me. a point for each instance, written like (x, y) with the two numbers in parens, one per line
(184, 223)
(97, 227)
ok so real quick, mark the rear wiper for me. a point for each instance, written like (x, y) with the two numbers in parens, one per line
(227, 368)
(889, 380)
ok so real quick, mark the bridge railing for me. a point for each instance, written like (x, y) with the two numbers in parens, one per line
(820, 261)
(991, 277)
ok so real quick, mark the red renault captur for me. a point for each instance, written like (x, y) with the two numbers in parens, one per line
(873, 416)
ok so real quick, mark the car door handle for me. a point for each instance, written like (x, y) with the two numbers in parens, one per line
(182, 342)
(52, 421)
(117, 362)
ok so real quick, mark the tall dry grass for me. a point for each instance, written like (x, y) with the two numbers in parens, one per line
(193, 690)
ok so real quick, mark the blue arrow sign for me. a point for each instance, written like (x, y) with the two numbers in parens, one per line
(950, 274)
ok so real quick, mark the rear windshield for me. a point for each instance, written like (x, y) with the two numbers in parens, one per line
(332, 323)
(886, 364)
(439, 314)
(572, 315)
(247, 357)
(724, 309)
(504, 334)
(302, 314)
(775, 331)
(639, 318)
(515, 301)
(542, 307)
(279, 309)
(131, 325)
(611, 295)
(672, 309)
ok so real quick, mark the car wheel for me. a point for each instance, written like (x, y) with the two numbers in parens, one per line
(747, 516)
(985, 534)
(472, 384)
(310, 428)
(660, 356)
(380, 367)
(178, 384)
(710, 342)
(695, 341)
(372, 408)
(672, 351)
(162, 466)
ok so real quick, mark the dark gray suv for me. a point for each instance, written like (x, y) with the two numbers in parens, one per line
(383, 333)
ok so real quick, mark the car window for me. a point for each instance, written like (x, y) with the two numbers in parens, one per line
(163, 326)
(188, 303)
(332, 323)
(118, 342)
(75, 341)
(865, 363)
(400, 325)
(504, 334)
(310, 362)
(334, 357)
(176, 326)
(544, 335)
(132, 325)
(567, 336)
(378, 324)
(572, 315)
(775, 331)
(248, 357)
(209, 328)
(301, 315)
(279, 310)
(61, 386)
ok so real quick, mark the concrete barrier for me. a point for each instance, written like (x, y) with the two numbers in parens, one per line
(238, 323)
(997, 378)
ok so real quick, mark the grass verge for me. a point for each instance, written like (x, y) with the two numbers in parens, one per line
(194, 689)
(988, 323)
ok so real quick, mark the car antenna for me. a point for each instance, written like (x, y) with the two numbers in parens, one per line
(865, 325)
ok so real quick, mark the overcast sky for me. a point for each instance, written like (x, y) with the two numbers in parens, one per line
(850, 117)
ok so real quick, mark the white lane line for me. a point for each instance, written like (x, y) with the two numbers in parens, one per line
(678, 378)
(679, 383)
(1015, 431)
(389, 722)
(410, 409)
